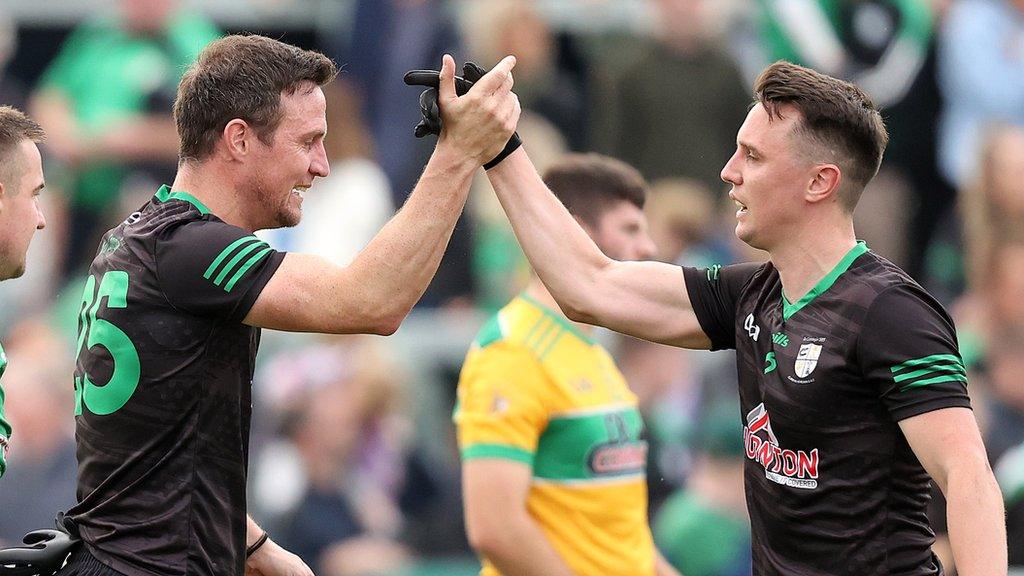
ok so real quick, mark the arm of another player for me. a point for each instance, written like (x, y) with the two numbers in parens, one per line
(270, 559)
(949, 446)
(498, 524)
(380, 287)
(643, 299)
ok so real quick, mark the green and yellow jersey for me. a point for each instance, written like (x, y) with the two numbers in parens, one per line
(536, 390)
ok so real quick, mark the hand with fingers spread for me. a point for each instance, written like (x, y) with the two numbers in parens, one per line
(470, 102)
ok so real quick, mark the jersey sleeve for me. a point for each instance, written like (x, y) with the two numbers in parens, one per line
(714, 292)
(501, 411)
(5, 434)
(908, 352)
(211, 268)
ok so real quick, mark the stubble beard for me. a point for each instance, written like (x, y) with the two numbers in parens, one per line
(282, 215)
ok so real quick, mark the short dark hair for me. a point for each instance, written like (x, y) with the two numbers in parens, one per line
(241, 76)
(15, 127)
(837, 115)
(590, 184)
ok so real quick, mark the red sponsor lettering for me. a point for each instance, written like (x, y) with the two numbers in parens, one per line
(789, 460)
(752, 443)
(808, 464)
(792, 463)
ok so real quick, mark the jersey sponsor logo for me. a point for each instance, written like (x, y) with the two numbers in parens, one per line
(623, 453)
(753, 330)
(807, 359)
(781, 339)
(619, 458)
(794, 468)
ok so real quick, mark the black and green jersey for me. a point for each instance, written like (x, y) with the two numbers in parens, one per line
(5, 427)
(832, 485)
(163, 390)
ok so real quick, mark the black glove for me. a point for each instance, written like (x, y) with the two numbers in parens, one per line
(431, 121)
(44, 555)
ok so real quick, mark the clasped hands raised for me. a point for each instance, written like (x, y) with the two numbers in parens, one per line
(476, 113)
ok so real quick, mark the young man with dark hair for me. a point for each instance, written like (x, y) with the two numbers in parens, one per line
(852, 388)
(21, 181)
(547, 422)
(177, 293)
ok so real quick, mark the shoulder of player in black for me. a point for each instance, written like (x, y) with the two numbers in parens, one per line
(880, 271)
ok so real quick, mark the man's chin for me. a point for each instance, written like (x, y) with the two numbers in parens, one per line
(748, 238)
(12, 274)
(289, 219)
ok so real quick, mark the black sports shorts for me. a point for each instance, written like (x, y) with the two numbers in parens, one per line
(82, 563)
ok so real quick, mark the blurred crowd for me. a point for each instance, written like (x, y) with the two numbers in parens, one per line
(354, 464)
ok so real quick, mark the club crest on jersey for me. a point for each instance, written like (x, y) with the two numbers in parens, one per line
(807, 359)
(794, 468)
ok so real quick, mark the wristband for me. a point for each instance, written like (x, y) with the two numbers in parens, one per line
(513, 143)
(256, 545)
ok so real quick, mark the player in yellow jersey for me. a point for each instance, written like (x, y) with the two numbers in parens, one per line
(553, 463)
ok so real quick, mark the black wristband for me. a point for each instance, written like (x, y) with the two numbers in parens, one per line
(513, 143)
(256, 545)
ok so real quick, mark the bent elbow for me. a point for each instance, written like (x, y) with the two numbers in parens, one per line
(387, 324)
(574, 313)
(387, 327)
(486, 542)
(577, 310)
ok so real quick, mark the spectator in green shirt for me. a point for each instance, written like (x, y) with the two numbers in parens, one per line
(106, 102)
(703, 530)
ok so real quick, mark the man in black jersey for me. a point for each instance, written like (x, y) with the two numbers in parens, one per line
(21, 181)
(177, 293)
(852, 389)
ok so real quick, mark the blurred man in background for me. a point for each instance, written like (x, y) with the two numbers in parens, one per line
(691, 86)
(21, 181)
(106, 103)
(550, 435)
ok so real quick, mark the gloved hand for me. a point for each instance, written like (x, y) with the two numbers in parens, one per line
(431, 122)
(43, 555)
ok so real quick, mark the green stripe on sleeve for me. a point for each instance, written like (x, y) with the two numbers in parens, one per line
(934, 358)
(547, 349)
(501, 451)
(236, 259)
(245, 267)
(225, 252)
(936, 380)
(933, 369)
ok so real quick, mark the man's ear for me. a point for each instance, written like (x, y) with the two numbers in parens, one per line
(824, 183)
(237, 139)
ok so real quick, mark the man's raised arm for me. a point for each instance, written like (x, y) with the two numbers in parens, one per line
(643, 299)
(379, 288)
